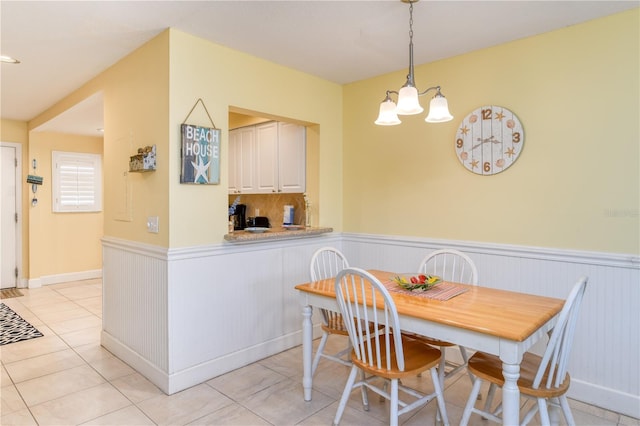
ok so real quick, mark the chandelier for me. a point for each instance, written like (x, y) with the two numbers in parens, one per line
(408, 103)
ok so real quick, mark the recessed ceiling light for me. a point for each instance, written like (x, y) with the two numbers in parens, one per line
(8, 59)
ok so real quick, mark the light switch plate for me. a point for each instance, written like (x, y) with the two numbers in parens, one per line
(152, 224)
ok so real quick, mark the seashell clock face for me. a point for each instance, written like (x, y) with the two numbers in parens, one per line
(489, 140)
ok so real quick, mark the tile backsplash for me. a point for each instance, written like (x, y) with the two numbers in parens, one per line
(272, 206)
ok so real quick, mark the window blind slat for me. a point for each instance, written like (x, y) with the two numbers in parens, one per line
(78, 185)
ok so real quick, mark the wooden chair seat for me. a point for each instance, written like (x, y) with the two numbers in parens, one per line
(489, 367)
(335, 324)
(418, 357)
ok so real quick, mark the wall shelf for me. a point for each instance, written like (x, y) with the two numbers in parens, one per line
(144, 161)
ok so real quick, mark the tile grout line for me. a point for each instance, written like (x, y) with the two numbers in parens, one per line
(87, 363)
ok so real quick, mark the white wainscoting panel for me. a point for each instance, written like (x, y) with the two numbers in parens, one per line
(605, 367)
(134, 299)
(183, 316)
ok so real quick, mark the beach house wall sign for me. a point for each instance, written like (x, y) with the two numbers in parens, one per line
(200, 152)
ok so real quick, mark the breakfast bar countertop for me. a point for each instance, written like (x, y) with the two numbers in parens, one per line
(275, 233)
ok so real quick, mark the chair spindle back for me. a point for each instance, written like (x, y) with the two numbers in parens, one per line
(450, 265)
(325, 263)
(556, 356)
(353, 287)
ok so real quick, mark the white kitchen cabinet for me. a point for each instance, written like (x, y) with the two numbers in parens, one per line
(234, 180)
(273, 160)
(242, 169)
(292, 157)
(267, 157)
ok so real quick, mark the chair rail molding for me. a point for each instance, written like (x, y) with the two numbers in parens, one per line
(621, 260)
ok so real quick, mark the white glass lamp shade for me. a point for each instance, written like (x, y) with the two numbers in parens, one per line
(387, 115)
(438, 110)
(408, 103)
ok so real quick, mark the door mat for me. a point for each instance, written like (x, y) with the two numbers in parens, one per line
(13, 328)
(8, 293)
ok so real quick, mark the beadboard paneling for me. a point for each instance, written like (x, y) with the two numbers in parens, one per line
(604, 363)
(183, 316)
(134, 300)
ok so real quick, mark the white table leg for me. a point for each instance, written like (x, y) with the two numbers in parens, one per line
(510, 394)
(307, 351)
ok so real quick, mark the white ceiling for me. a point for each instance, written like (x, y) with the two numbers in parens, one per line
(63, 44)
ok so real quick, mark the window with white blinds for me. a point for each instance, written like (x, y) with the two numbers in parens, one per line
(77, 182)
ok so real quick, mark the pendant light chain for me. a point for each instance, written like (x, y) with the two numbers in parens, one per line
(411, 22)
(410, 76)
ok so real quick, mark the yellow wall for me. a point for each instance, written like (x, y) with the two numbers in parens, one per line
(574, 186)
(240, 120)
(16, 132)
(226, 79)
(149, 94)
(576, 183)
(60, 243)
(136, 105)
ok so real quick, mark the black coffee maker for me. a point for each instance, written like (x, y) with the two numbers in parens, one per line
(239, 222)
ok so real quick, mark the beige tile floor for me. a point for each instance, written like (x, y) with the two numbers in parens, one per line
(67, 378)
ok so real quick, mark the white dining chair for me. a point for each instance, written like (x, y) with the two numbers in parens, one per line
(543, 378)
(453, 266)
(325, 263)
(382, 351)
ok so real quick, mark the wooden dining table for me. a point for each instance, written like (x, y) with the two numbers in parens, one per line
(499, 322)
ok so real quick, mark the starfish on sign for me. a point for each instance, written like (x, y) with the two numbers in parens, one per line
(464, 130)
(201, 170)
(474, 164)
(500, 115)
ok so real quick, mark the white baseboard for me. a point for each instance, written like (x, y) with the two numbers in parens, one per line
(135, 361)
(606, 398)
(34, 283)
(232, 361)
(63, 278)
(176, 382)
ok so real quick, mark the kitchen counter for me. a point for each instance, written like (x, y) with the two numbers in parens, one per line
(275, 233)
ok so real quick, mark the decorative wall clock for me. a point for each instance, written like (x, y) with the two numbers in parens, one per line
(489, 140)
